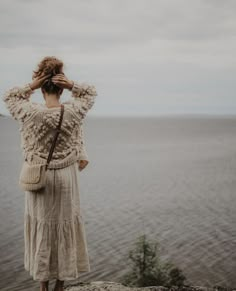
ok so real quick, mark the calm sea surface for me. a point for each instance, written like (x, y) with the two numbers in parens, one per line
(172, 178)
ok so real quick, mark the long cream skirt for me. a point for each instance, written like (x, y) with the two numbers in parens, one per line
(54, 234)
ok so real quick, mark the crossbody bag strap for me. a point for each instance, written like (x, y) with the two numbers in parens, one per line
(58, 129)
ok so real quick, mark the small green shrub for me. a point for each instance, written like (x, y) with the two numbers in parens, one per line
(147, 268)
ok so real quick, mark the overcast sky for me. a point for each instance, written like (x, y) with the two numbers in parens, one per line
(145, 57)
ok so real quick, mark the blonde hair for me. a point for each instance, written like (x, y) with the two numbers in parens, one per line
(53, 66)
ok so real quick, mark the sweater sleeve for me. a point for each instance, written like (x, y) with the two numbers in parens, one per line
(82, 152)
(17, 101)
(83, 98)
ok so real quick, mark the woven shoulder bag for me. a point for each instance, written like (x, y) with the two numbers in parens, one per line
(33, 177)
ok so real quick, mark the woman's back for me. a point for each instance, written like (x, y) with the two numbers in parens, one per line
(38, 123)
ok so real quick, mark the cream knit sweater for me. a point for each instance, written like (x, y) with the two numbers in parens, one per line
(38, 124)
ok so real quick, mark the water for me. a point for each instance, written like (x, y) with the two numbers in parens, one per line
(171, 178)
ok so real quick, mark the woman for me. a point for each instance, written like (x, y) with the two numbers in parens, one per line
(54, 234)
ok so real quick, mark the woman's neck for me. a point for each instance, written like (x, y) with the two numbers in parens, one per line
(52, 101)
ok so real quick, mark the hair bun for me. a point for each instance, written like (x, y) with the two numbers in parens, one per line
(53, 66)
(49, 65)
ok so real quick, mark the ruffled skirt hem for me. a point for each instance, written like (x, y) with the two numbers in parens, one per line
(57, 276)
(55, 249)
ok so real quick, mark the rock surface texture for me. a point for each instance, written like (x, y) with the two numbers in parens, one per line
(114, 286)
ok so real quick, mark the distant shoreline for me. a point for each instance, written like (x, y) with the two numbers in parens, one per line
(160, 116)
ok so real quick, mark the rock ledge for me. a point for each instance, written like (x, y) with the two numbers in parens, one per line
(115, 286)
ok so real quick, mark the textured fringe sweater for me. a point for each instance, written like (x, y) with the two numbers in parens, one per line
(38, 124)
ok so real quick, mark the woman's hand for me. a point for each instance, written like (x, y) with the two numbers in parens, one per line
(62, 81)
(82, 164)
(38, 81)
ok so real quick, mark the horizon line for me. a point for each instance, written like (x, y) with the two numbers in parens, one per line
(181, 114)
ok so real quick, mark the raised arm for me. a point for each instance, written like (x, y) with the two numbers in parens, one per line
(83, 94)
(17, 101)
(83, 98)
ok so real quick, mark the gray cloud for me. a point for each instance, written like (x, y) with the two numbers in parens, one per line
(161, 55)
(113, 22)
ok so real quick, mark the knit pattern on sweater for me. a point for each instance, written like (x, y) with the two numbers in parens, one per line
(38, 122)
